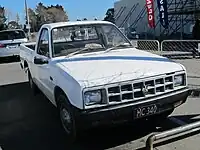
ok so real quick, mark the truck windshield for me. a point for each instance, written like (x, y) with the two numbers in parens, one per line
(86, 39)
(11, 35)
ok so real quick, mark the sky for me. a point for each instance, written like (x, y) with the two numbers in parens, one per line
(76, 9)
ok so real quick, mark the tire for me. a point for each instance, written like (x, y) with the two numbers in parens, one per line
(67, 117)
(32, 85)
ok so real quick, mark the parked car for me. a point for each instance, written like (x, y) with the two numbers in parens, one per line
(100, 79)
(10, 41)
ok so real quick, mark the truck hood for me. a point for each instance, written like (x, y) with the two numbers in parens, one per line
(102, 68)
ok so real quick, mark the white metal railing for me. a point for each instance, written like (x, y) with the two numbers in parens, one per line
(179, 132)
(180, 48)
(147, 45)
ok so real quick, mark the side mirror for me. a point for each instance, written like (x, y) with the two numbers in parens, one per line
(40, 61)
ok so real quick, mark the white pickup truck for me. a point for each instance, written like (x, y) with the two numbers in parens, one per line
(91, 72)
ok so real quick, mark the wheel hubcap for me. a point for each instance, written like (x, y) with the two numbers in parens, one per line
(66, 119)
(65, 115)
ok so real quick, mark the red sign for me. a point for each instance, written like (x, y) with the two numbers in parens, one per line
(150, 13)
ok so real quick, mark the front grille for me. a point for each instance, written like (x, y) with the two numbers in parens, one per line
(138, 90)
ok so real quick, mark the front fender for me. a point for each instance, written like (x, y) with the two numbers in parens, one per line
(70, 86)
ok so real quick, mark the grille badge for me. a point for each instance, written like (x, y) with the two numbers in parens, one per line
(145, 90)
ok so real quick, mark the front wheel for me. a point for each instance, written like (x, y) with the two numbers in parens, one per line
(67, 117)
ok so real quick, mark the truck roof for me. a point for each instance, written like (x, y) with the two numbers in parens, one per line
(71, 23)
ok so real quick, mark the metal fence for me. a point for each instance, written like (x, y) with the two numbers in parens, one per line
(181, 48)
(170, 48)
(147, 45)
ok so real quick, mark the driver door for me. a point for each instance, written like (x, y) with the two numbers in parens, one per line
(43, 72)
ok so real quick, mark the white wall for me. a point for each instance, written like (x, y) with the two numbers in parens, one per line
(128, 4)
(142, 25)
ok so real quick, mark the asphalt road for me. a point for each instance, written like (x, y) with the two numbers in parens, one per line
(31, 122)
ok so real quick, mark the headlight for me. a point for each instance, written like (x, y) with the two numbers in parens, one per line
(93, 97)
(179, 80)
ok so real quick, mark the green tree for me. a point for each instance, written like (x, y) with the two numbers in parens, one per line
(46, 14)
(2, 18)
(13, 25)
(41, 12)
(50, 14)
(33, 20)
(56, 14)
(110, 15)
(196, 30)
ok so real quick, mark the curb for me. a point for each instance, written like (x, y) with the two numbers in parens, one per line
(194, 93)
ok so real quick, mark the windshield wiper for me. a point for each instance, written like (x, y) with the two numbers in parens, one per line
(79, 51)
(89, 48)
(118, 46)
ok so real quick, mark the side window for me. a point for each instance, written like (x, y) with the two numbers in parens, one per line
(43, 47)
(113, 36)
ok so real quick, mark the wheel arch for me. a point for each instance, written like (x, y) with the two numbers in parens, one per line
(69, 86)
(57, 91)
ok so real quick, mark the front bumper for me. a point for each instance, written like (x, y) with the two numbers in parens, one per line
(125, 112)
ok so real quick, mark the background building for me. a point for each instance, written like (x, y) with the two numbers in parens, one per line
(132, 16)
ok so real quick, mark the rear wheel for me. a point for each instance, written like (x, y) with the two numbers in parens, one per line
(67, 117)
(32, 85)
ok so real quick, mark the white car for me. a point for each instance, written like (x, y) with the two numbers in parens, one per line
(10, 41)
(90, 71)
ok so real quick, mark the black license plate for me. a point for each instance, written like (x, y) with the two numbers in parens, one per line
(144, 111)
